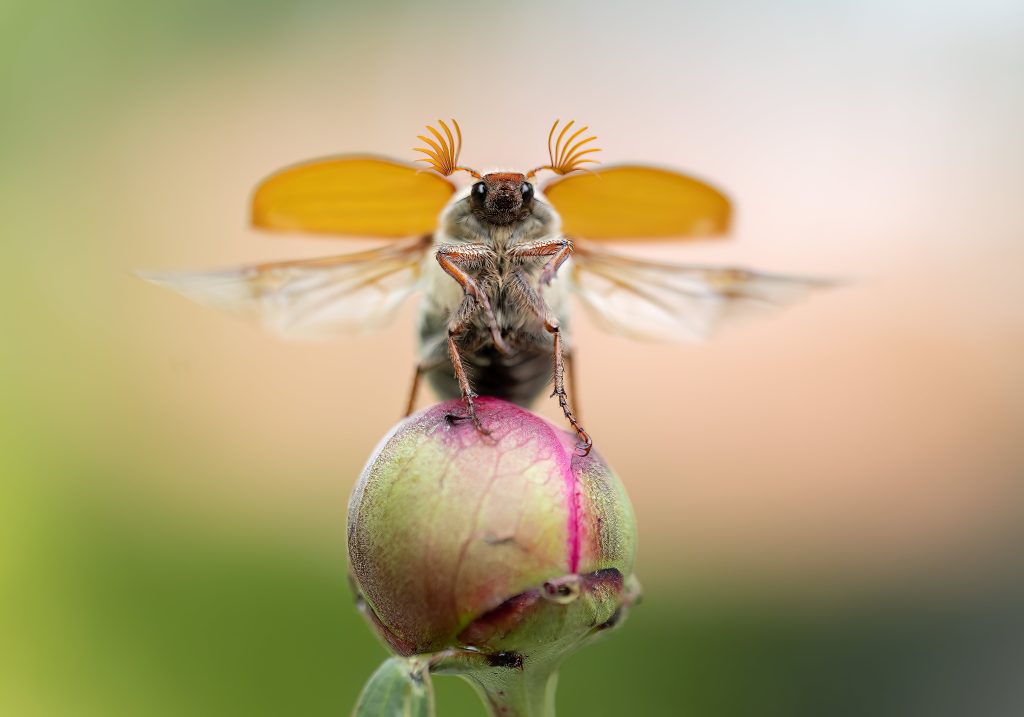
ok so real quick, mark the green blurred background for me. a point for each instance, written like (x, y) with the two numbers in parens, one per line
(829, 502)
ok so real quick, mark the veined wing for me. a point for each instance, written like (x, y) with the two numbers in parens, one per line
(655, 301)
(311, 298)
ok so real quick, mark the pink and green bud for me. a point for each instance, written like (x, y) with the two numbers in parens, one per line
(489, 552)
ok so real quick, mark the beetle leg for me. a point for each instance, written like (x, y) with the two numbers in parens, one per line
(455, 259)
(536, 302)
(417, 376)
(574, 395)
(585, 442)
(455, 327)
(558, 248)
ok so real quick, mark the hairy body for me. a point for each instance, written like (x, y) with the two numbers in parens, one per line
(493, 318)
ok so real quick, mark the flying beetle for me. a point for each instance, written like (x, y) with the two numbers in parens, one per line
(495, 262)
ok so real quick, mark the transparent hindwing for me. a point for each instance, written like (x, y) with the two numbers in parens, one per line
(656, 301)
(311, 298)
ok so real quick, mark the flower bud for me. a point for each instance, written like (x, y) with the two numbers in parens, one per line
(463, 540)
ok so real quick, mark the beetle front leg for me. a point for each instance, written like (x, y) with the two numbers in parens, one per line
(558, 248)
(532, 299)
(455, 259)
(585, 442)
(455, 327)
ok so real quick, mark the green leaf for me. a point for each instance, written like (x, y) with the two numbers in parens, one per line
(399, 688)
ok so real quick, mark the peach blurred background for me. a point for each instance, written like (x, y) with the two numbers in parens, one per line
(867, 441)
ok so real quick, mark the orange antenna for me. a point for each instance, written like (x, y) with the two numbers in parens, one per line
(443, 155)
(566, 155)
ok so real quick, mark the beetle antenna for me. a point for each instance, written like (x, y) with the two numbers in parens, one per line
(567, 155)
(443, 154)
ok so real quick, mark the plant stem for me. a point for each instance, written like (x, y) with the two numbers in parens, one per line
(516, 693)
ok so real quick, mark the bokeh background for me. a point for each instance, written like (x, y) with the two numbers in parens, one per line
(829, 502)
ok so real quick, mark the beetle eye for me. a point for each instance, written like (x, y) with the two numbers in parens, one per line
(527, 189)
(478, 192)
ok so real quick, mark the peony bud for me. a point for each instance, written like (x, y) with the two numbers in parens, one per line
(493, 553)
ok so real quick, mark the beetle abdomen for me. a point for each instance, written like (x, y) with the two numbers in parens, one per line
(519, 378)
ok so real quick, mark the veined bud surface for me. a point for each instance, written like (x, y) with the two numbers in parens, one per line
(509, 543)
